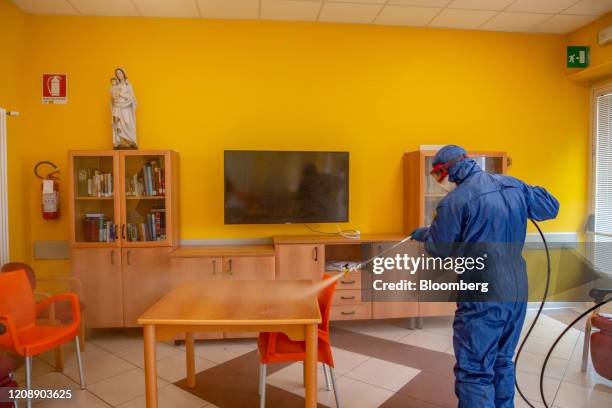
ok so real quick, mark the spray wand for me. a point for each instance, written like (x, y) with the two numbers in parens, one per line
(347, 269)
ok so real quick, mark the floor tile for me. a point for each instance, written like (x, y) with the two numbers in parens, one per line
(291, 377)
(39, 367)
(590, 378)
(532, 363)
(169, 396)
(115, 341)
(122, 388)
(345, 360)
(431, 341)
(221, 351)
(53, 381)
(402, 401)
(380, 329)
(135, 355)
(173, 368)
(530, 385)
(383, 374)
(80, 399)
(550, 332)
(440, 325)
(541, 346)
(576, 396)
(354, 393)
(98, 364)
(432, 388)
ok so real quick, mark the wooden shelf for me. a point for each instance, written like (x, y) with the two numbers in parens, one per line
(90, 198)
(158, 197)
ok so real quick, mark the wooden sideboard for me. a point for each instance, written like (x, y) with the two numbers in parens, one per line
(144, 275)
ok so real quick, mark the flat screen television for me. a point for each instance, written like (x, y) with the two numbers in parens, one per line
(281, 187)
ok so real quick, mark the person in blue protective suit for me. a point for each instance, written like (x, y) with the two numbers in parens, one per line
(488, 210)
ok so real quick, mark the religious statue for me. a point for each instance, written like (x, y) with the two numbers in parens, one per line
(123, 110)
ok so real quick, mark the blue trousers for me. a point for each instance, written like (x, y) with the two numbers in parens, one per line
(485, 337)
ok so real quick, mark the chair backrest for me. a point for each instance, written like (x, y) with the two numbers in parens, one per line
(325, 297)
(20, 266)
(16, 301)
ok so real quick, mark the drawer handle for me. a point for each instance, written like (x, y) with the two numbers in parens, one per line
(347, 297)
(348, 313)
(347, 282)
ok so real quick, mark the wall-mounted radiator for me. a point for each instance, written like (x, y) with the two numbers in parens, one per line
(4, 231)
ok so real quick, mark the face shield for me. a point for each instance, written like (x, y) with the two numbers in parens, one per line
(440, 173)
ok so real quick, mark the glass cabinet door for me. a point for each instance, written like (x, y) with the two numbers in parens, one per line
(94, 205)
(144, 203)
(433, 193)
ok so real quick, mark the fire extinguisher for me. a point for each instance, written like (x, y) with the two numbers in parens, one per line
(50, 191)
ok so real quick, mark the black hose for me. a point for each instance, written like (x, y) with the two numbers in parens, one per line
(552, 348)
(518, 353)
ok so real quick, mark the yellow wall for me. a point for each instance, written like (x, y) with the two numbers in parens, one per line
(12, 59)
(587, 35)
(204, 86)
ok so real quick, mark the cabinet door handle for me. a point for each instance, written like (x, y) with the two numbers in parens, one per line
(112, 256)
(129, 258)
(229, 267)
(347, 297)
(348, 313)
(214, 266)
(380, 249)
(123, 231)
(347, 282)
(315, 254)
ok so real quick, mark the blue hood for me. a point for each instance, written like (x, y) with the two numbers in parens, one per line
(462, 170)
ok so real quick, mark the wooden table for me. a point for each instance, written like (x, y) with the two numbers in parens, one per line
(290, 307)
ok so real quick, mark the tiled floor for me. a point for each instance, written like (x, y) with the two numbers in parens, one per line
(378, 364)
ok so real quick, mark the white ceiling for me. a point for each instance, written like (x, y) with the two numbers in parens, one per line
(540, 16)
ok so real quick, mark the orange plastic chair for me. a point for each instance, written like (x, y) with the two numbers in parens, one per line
(23, 335)
(277, 347)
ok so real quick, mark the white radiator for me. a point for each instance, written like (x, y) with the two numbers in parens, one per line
(4, 231)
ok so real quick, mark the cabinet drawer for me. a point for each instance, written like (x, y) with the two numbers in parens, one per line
(347, 297)
(351, 281)
(351, 312)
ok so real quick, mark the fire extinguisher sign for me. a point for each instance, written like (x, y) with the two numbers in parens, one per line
(54, 89)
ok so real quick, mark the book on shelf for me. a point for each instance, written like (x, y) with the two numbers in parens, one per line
(148, 182)
(98, 229)
(152, 229)
(93, 183)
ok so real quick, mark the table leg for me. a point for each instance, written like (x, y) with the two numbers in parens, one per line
(310, 372)
(190, 355)
(150, 366)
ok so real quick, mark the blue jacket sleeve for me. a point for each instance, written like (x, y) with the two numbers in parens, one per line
(541, 205)
(445, 230)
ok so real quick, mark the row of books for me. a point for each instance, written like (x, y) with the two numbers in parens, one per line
(153, 229)
(98, 229)
(150, 181)
(95, 184)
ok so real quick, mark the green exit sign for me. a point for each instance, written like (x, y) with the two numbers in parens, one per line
(577, 56)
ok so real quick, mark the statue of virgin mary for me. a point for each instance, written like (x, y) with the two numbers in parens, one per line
(123, 109)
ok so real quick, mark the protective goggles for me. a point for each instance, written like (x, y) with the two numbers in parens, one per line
(440, 170)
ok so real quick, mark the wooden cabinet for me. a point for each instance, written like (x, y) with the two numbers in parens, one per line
(385, 304)
(123, 224)
(209, 263)
(249, 267)
(146, 279)
(300, 261)
(99, 270)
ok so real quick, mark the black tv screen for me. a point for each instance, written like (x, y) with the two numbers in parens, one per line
(279, 187)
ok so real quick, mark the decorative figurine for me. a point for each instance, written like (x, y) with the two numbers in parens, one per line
(123, 110)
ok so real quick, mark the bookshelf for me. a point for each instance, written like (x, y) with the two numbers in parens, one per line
(123, 225)
(122, 198)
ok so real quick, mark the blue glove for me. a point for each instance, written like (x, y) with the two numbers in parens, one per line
(420, 234)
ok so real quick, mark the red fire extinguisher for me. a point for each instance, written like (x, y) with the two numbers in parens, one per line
(50, 191)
